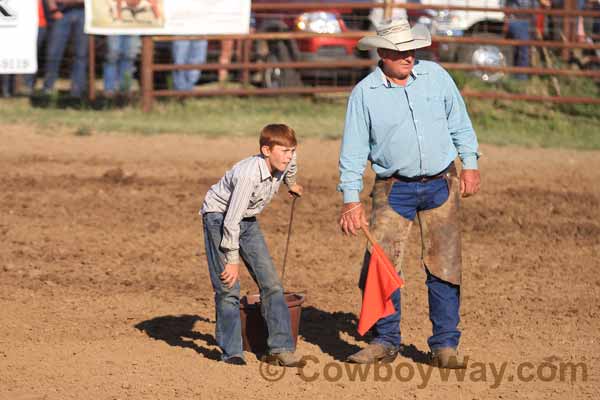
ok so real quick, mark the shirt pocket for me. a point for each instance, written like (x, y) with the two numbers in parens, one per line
(437, 107)
(258, 197)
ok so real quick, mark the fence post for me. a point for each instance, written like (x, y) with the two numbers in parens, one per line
(567, 29)
(387, 11)
(91, 68)
(247, 43)
(147, 73)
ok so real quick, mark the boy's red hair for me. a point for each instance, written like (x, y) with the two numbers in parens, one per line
(277, 134)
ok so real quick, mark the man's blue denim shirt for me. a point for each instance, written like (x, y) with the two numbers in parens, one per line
(414, 130)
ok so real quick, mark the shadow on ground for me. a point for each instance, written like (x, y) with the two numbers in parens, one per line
(179, 331)
(325, 329)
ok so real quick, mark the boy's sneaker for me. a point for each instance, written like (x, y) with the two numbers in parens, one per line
(448, 357)
(285, 359)
(235, 360)
(374, 352)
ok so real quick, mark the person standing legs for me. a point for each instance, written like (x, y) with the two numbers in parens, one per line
(79, 68)
(519, 30)
(57, 41)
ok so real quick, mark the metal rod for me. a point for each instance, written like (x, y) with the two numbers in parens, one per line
(91, 68)
(246, 49)
(359, 34)
(347, 89)
(367, 63)
(251, 91)
(415, 6)
(530, 97)
(289, 235)
(147, 73)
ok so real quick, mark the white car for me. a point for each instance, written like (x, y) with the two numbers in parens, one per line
(483, 24)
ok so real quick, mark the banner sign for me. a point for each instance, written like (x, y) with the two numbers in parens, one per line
(18, 36)
(167, 17)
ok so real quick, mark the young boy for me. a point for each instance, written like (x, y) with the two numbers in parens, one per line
(232, 234)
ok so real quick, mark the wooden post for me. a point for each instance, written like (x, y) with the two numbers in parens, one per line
(91, 68)
(246, 54)
(387, 11)
(147, 73)
(567, 28)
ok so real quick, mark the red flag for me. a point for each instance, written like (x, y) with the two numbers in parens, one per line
(382, 281)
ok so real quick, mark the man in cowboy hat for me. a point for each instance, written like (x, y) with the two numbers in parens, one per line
(408, 118)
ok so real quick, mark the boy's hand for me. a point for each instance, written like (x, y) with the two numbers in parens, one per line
(230, 275)
(296, 190)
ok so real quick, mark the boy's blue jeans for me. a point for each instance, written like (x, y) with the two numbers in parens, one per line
(254, 252)
(406, 198)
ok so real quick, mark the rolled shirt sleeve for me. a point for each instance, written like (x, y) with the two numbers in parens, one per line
(459, 125)
(355, 149)
(291, 172)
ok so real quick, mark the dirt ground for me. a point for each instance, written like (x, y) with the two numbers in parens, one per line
(104, 290)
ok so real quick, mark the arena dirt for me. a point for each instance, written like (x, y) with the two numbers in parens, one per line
(104, 290)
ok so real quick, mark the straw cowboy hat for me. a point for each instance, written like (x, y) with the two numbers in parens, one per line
(397, 35)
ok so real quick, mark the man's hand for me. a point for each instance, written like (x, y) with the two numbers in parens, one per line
(230, 275)
(469, 182)
(352, 218)
(296, 190)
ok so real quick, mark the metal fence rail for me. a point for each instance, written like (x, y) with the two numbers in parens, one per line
(246, 66)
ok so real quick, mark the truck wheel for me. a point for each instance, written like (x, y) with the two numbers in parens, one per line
(280, 77)
(487, 55)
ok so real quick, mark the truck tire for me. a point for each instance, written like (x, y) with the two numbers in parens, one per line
(280, 77)
(486, 54)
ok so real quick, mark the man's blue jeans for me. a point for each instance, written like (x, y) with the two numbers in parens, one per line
(71, 24)
(119, 65)
(254, 252)
(188, 52)
(519, 30)
(406, 198)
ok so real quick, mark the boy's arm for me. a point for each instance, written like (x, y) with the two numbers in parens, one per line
(238, 204)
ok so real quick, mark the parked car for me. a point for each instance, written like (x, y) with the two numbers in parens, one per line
(481, 24)
(344, 19)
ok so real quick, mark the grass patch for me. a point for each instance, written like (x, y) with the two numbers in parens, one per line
(496, 122)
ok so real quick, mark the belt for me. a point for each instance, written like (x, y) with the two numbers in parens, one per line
(421, 178)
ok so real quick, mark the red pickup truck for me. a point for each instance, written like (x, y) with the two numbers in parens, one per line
(337, 20)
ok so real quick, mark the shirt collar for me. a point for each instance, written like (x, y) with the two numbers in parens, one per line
(264, 168)
(377, 78)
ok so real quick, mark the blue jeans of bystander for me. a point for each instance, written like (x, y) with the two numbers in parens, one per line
(519, 30)
(71, 24)
(119, 65)
(41, 39)
(188, 52)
